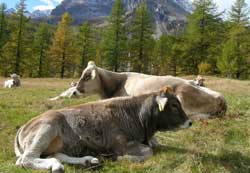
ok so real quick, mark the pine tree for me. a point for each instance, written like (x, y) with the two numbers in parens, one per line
(236, 48)
(203, 35)
(167, 53)
(2, 25)
(161, 50)
(175, 55)
(62, 49)
(3, 31)
(227, 63)
(41, 45)
(17, 47)
(142, 39)
(115, 38)
(239, 13)
(86, 45)
(21, 7)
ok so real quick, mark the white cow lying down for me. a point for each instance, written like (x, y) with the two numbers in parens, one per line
(69, 93)
(14, 82)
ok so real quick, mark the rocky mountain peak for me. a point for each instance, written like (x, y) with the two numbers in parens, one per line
(167, 14)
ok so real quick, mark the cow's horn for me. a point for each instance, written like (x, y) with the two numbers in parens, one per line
(167, 89)
(91, 63)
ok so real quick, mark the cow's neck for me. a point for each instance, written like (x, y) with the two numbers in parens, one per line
(111, 82)
(139, 118)
(149, 126)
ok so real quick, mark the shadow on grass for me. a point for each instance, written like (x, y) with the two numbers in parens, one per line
(232, 161)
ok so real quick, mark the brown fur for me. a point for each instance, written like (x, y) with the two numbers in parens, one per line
(55, 146)
(167, 89)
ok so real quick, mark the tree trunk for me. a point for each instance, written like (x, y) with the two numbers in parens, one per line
(18, 51)
(40, 63)
(63, 65)
(83, 61)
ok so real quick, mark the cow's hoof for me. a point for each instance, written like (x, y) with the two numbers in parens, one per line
(94, 161)
(58, 169)
(90, 161)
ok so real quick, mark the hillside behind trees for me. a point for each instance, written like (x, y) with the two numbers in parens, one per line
(209, 44)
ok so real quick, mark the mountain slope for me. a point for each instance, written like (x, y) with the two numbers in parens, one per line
(167, 14)
(37, 14)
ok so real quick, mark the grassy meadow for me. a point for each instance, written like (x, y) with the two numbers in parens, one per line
(214, 145)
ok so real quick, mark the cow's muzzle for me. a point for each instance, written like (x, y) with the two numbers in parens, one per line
(80, 89)
(187, 124)
(77, 93)
(222, 107)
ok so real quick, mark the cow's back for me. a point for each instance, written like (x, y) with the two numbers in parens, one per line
(196, 101)
(137, 84)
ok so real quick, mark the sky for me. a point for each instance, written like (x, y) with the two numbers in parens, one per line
(33, 4)
(50, 4)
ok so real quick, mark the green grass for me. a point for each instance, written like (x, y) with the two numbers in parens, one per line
(214, 145)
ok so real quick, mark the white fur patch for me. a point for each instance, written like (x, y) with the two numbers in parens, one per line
(210, 92)
(9, 83)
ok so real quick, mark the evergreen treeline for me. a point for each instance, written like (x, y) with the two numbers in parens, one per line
(209, 44)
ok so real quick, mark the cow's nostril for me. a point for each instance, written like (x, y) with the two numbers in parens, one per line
(80, 89)
(190, 124)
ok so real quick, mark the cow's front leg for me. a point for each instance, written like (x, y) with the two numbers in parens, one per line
(85, 161)
(136, 152)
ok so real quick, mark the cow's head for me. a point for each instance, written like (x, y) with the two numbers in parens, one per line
(73, 84)
(15, 76)
(201, 102)
(170, 112)
(199, 80)
(89, 82)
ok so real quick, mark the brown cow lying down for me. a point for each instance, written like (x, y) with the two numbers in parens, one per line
(197, 102)
(120, 125)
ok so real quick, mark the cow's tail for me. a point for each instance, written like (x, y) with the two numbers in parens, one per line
(18, 150)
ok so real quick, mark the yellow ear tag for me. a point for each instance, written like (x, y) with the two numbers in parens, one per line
(160, 108)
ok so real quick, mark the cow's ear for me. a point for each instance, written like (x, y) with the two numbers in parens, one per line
(161, 101)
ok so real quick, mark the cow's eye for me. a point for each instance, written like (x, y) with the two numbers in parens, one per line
(175, 106)
(86, 77)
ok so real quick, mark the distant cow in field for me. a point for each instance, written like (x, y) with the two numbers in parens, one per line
(197, 102)
(199, 80)
(69, 93)
(119, 126)
(14, 82)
